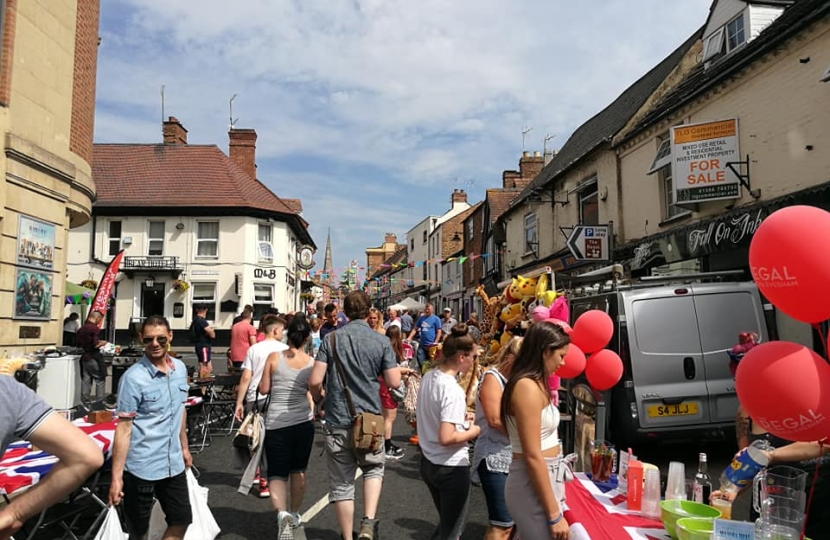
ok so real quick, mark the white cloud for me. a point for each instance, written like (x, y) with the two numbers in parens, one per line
(392, 98)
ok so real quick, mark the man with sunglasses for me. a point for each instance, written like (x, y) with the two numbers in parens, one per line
(150, 448)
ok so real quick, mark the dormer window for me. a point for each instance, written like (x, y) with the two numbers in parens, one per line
(735, 35)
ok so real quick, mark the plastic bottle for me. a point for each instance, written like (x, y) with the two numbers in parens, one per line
(703, 483)
(745, 466)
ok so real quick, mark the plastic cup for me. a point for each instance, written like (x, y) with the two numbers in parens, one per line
(725, 507)
(651, 494)
(676, 482)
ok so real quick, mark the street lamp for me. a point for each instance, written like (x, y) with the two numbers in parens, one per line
(149, 282)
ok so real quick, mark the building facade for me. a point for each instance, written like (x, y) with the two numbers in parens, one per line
(195, 228)
(47, 103)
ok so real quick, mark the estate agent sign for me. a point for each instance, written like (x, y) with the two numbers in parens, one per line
(700, 153)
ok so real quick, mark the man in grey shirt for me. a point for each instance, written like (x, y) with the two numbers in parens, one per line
(24, 415)
(366, 355)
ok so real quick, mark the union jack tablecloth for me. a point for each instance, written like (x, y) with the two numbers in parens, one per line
(21, 468)
(594, 514)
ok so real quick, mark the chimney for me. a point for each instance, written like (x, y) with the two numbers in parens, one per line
(390, 238)
(458, 196)
(508, 179)
(530, 166)
(242, 149)
(173, 131)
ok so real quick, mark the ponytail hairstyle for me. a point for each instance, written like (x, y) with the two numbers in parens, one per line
(298, 330)
(530, 362)
(459, 341)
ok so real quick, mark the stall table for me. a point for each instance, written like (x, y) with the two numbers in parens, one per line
(599, 512)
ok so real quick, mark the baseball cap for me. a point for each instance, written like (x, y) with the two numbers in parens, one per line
(446, 309)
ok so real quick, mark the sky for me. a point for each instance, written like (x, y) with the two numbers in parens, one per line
(372, 111)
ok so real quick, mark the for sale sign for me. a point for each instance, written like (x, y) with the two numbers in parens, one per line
(700, 153)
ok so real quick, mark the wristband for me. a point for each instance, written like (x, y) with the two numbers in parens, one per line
(552, 522)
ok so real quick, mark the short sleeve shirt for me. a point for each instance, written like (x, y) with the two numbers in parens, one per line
(21, 411)
(428, 326)
(255, 362)
(87, 338)
(441, 399)
(241, 334)
(365, 355)
(201, 337)
(155, 402)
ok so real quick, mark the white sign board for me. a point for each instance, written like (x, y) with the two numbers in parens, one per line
(700, 153)
(590, 242)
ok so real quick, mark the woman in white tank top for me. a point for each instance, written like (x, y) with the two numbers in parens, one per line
(535, 486)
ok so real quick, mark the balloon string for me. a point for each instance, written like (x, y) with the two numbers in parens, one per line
(823, 337)
(812, 489)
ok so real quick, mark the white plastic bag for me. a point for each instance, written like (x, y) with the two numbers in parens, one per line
(111, 528)
(203, 526)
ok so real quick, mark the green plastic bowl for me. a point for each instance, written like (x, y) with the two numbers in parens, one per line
(693, 528)
(674, 509)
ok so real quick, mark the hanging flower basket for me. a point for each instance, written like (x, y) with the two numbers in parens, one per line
(89, 284)
(307, 297)
(180, 285)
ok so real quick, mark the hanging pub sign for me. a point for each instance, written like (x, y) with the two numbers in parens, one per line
(305, 259)
(700, 154)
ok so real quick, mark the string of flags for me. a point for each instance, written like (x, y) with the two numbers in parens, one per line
(412, 264)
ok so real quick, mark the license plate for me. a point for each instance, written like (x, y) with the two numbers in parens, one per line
(681, 409)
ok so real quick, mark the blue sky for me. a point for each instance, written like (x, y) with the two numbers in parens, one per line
(373, 111)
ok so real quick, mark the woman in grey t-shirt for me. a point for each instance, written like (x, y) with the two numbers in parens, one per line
(289, 422)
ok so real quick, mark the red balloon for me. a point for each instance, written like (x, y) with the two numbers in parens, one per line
(565, 326)
(788, 267)
(604, 369)
(785, 388)
(593, 330)
(574, 363)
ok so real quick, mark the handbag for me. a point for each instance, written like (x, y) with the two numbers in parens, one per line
(249, 434)
(367, 428)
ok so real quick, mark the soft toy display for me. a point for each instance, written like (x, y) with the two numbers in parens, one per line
(519, 289)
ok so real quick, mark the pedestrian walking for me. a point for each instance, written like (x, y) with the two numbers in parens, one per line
(447, 321)
(149, 452)
(535, 487)
(388, 403)
(289, 425)
(429, 327)
(364, 355)
(93, 368)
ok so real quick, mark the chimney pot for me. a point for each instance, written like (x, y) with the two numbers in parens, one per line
(537, 153)
(525, 153)
(173, 132)
(242, 149)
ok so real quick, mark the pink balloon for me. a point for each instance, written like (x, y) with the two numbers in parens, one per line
(574, 363)
(787, 265)
(540, 313)
(604, 369)
(593, 330)
(785, 388)
(565, 326)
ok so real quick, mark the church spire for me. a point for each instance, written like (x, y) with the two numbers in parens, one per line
(328, 267)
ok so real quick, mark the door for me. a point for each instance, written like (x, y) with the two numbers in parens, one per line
(152, 299)
(724, 311)
(666, 358)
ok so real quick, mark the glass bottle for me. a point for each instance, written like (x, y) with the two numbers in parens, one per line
(702, 482)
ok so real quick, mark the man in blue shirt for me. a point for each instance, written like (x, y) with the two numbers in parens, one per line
(150, 451)
(429, 326)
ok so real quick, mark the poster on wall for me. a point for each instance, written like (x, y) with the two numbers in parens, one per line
(33, 295)
(700, 153)
(35, 243)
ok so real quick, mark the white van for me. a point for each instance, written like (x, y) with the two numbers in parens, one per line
(672, 335)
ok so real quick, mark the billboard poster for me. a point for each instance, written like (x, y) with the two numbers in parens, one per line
(35, 243)
(700, 153)
(33, 294)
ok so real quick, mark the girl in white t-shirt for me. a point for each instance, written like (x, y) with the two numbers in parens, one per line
(444, 428)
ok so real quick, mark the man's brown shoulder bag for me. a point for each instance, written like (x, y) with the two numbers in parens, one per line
(367, 428)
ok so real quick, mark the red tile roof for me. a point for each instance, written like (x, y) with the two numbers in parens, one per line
(500, 200)
(178, 175)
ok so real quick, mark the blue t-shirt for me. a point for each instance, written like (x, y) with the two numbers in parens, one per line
(428, 326)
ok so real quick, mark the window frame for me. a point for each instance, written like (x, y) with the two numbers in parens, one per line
(669, 209)
(265, 247)
(663, 156)
(111, 238)
(262, 306)
(490, 259)
(151, 238)
(470, 229)
(209, 301)
(714, 44)
(200, 240)
(727, 35)
(528, 227)
(589, 189)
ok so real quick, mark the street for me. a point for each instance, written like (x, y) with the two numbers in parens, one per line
(405, 510)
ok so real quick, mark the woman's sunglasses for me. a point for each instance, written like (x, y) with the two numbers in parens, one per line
(162, 340)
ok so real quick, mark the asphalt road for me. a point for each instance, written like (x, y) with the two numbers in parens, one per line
(406, 511)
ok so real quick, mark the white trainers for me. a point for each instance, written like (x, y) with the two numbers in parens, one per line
(285, 522)
(297, 527)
